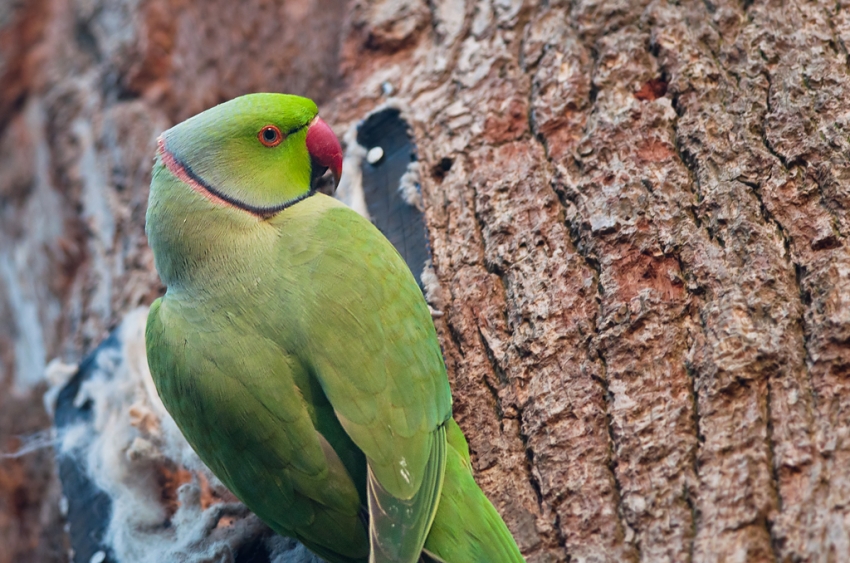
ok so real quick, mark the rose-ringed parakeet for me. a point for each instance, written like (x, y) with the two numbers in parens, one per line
(295, 351)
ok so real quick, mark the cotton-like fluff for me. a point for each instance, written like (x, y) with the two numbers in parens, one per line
(130, 444)
(350, 189)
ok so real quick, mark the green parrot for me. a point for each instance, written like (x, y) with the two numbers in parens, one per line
(295, 351)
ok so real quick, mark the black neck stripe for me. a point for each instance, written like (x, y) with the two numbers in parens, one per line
(263, 212)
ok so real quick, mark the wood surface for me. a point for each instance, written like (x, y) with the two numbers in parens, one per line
(638, 214)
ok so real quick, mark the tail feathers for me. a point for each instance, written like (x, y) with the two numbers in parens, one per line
(467, 528)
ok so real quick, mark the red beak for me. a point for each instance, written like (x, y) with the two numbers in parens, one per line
(324, 148)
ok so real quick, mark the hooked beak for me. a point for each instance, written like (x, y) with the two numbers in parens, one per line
(324, 148)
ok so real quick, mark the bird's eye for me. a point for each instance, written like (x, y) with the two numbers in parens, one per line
(270, 136)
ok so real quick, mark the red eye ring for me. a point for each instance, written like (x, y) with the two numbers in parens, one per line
(270, 136)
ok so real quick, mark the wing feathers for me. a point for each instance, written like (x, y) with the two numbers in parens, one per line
(398, 527)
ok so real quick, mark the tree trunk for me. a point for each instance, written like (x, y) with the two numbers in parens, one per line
(638, 215)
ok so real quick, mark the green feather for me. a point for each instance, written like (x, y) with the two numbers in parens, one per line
(297, 355)
(466, 526)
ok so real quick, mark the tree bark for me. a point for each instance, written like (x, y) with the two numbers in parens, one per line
(638, 215)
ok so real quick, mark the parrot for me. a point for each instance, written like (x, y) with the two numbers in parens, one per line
(295, 350)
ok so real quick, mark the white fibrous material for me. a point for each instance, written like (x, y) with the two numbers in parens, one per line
(350, 188)
(57, 373)
(124, 449)
(288, 550)
(409, 186)
(433, 290)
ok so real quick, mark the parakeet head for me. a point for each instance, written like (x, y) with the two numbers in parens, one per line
(258, 153)
(228, 173)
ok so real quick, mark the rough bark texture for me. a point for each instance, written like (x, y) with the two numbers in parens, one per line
(638, 212)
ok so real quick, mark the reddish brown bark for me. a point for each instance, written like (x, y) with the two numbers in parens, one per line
(638, 213)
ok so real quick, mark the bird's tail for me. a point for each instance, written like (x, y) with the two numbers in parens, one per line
(466, 528)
